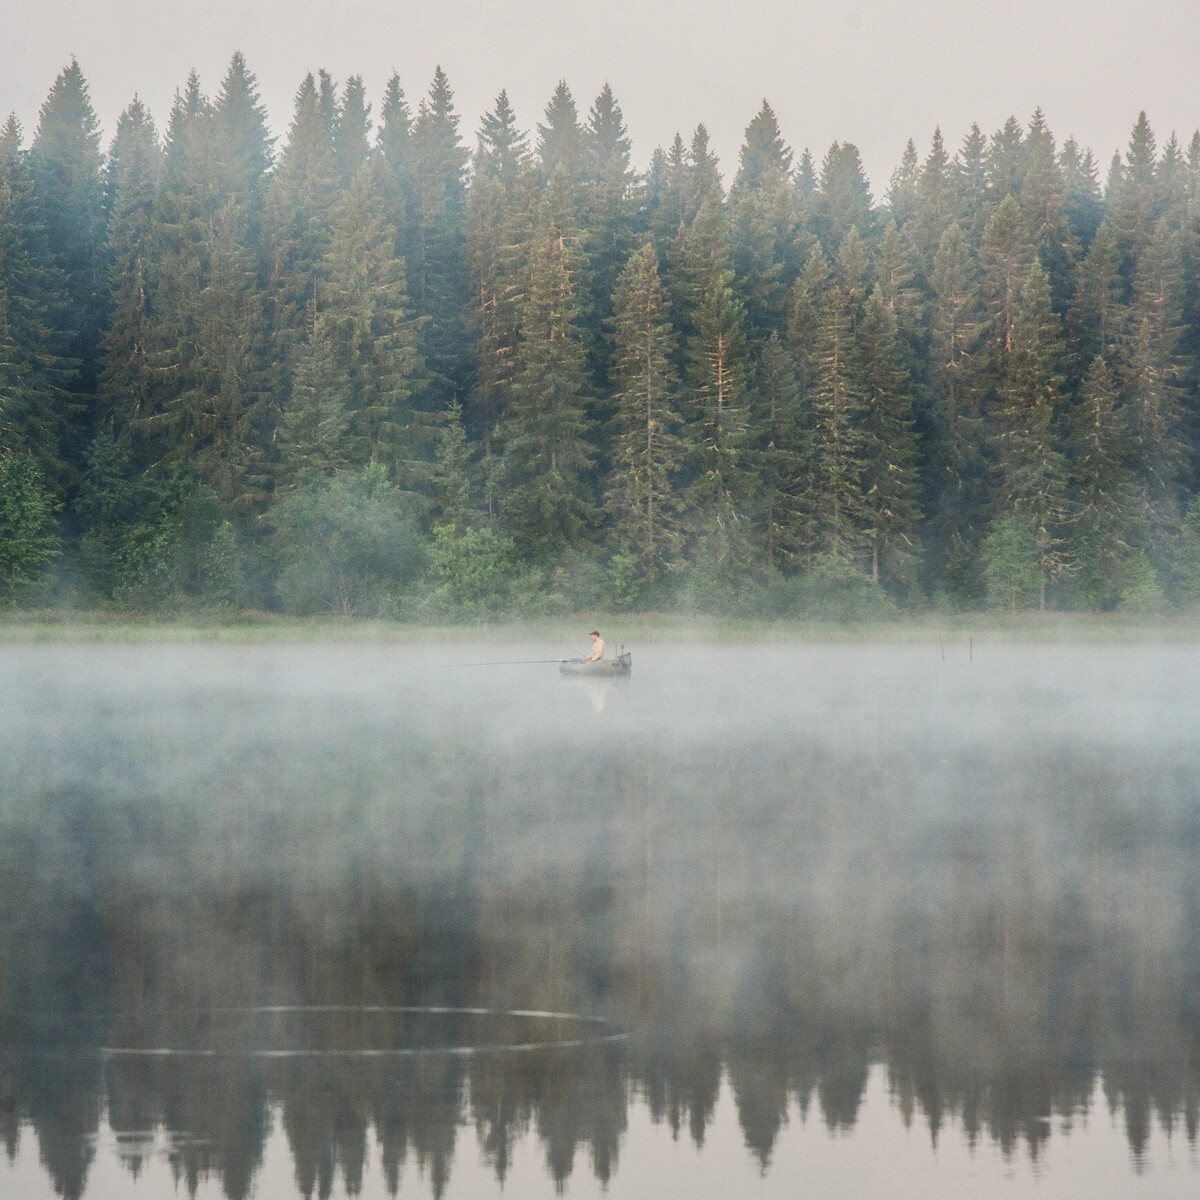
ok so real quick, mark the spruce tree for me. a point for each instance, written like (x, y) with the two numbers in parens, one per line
(242, 147)
(666, 193)
(1101, 488)
(1041, 202)
(127, 381)
(641, 503)
(764, 225)
(718, 411)
(351, 138)
(957, 491)
(312, 430)
(365, 314)
(782, 439)
(34, 370)
(452, 472)
(65, 165)
(805, 306)
(436, 275)
(902, 189)
(608, 221)
(890, 482)
(501, 207)
(1131, 195)
(1151, 378)
(1005, 256)
(545, 458)
(300, 206)
(214, 419)
(503, 148)
(895, 277)
(1032, 469)
(394, 145)
(970, 185)
(838, 408)
(1097, 315)
(561, 142)
(212, 341)
(843, 199)
(700, 251)
(1083, 205)
(1005, 161)
(935, 204)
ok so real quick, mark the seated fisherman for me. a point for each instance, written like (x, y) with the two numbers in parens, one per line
(597, 647)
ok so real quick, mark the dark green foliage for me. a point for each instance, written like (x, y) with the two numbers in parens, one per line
(545, 457)
(1011, 568)
(834, 588)
(127, 382)
(891, 487)
(561, 139)
(718, 410)
(597, 388)
(152, 540)
(764, 240)
(836, 496)
(474, 573)
(28, 539)
(436, 279)
(784, 455)
(1187, 557)
(34, 369)
(65, 165)
(1032, 469)
(452, 474)
(641, 500)
(843, 199)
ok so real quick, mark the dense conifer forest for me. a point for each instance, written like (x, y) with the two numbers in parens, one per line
(370, 368)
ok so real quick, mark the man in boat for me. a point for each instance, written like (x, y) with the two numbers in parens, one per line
(597, 647)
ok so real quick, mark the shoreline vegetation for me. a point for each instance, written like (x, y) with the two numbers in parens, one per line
(953, 631)
(381, 369)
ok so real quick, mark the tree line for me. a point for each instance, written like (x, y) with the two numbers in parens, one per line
(370, 369)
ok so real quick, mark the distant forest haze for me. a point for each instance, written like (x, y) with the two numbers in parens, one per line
(367, 369)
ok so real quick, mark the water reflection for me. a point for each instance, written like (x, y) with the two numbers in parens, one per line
(278, 879)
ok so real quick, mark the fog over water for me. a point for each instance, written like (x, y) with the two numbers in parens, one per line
(860, 920)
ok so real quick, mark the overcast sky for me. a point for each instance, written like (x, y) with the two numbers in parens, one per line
(873, 72)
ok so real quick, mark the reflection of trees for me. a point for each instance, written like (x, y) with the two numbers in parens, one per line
(995, 934)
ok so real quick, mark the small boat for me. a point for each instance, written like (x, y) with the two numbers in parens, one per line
(621, 665)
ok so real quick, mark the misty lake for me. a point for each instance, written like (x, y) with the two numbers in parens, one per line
(841, 920)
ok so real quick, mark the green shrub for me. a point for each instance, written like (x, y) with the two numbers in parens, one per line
(626, 580)
(1137, 586)
(222, 569)
(834, 589)
(28, 537)
(1187, 557)
(1010, 565)
(347, 544)
(473, 569)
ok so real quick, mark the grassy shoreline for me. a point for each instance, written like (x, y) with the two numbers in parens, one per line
(631, 628)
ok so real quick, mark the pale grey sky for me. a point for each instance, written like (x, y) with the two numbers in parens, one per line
(866, 71)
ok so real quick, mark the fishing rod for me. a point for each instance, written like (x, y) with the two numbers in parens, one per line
(519, 662)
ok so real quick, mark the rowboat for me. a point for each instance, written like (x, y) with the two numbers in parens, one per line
(621, 665)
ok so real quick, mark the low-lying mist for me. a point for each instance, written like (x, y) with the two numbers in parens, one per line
(781, 863)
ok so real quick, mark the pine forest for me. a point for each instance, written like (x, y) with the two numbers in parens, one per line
(382, 366)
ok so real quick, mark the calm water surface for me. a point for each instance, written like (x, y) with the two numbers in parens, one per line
(844, 921)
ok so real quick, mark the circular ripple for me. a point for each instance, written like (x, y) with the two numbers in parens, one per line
(595, 1031)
